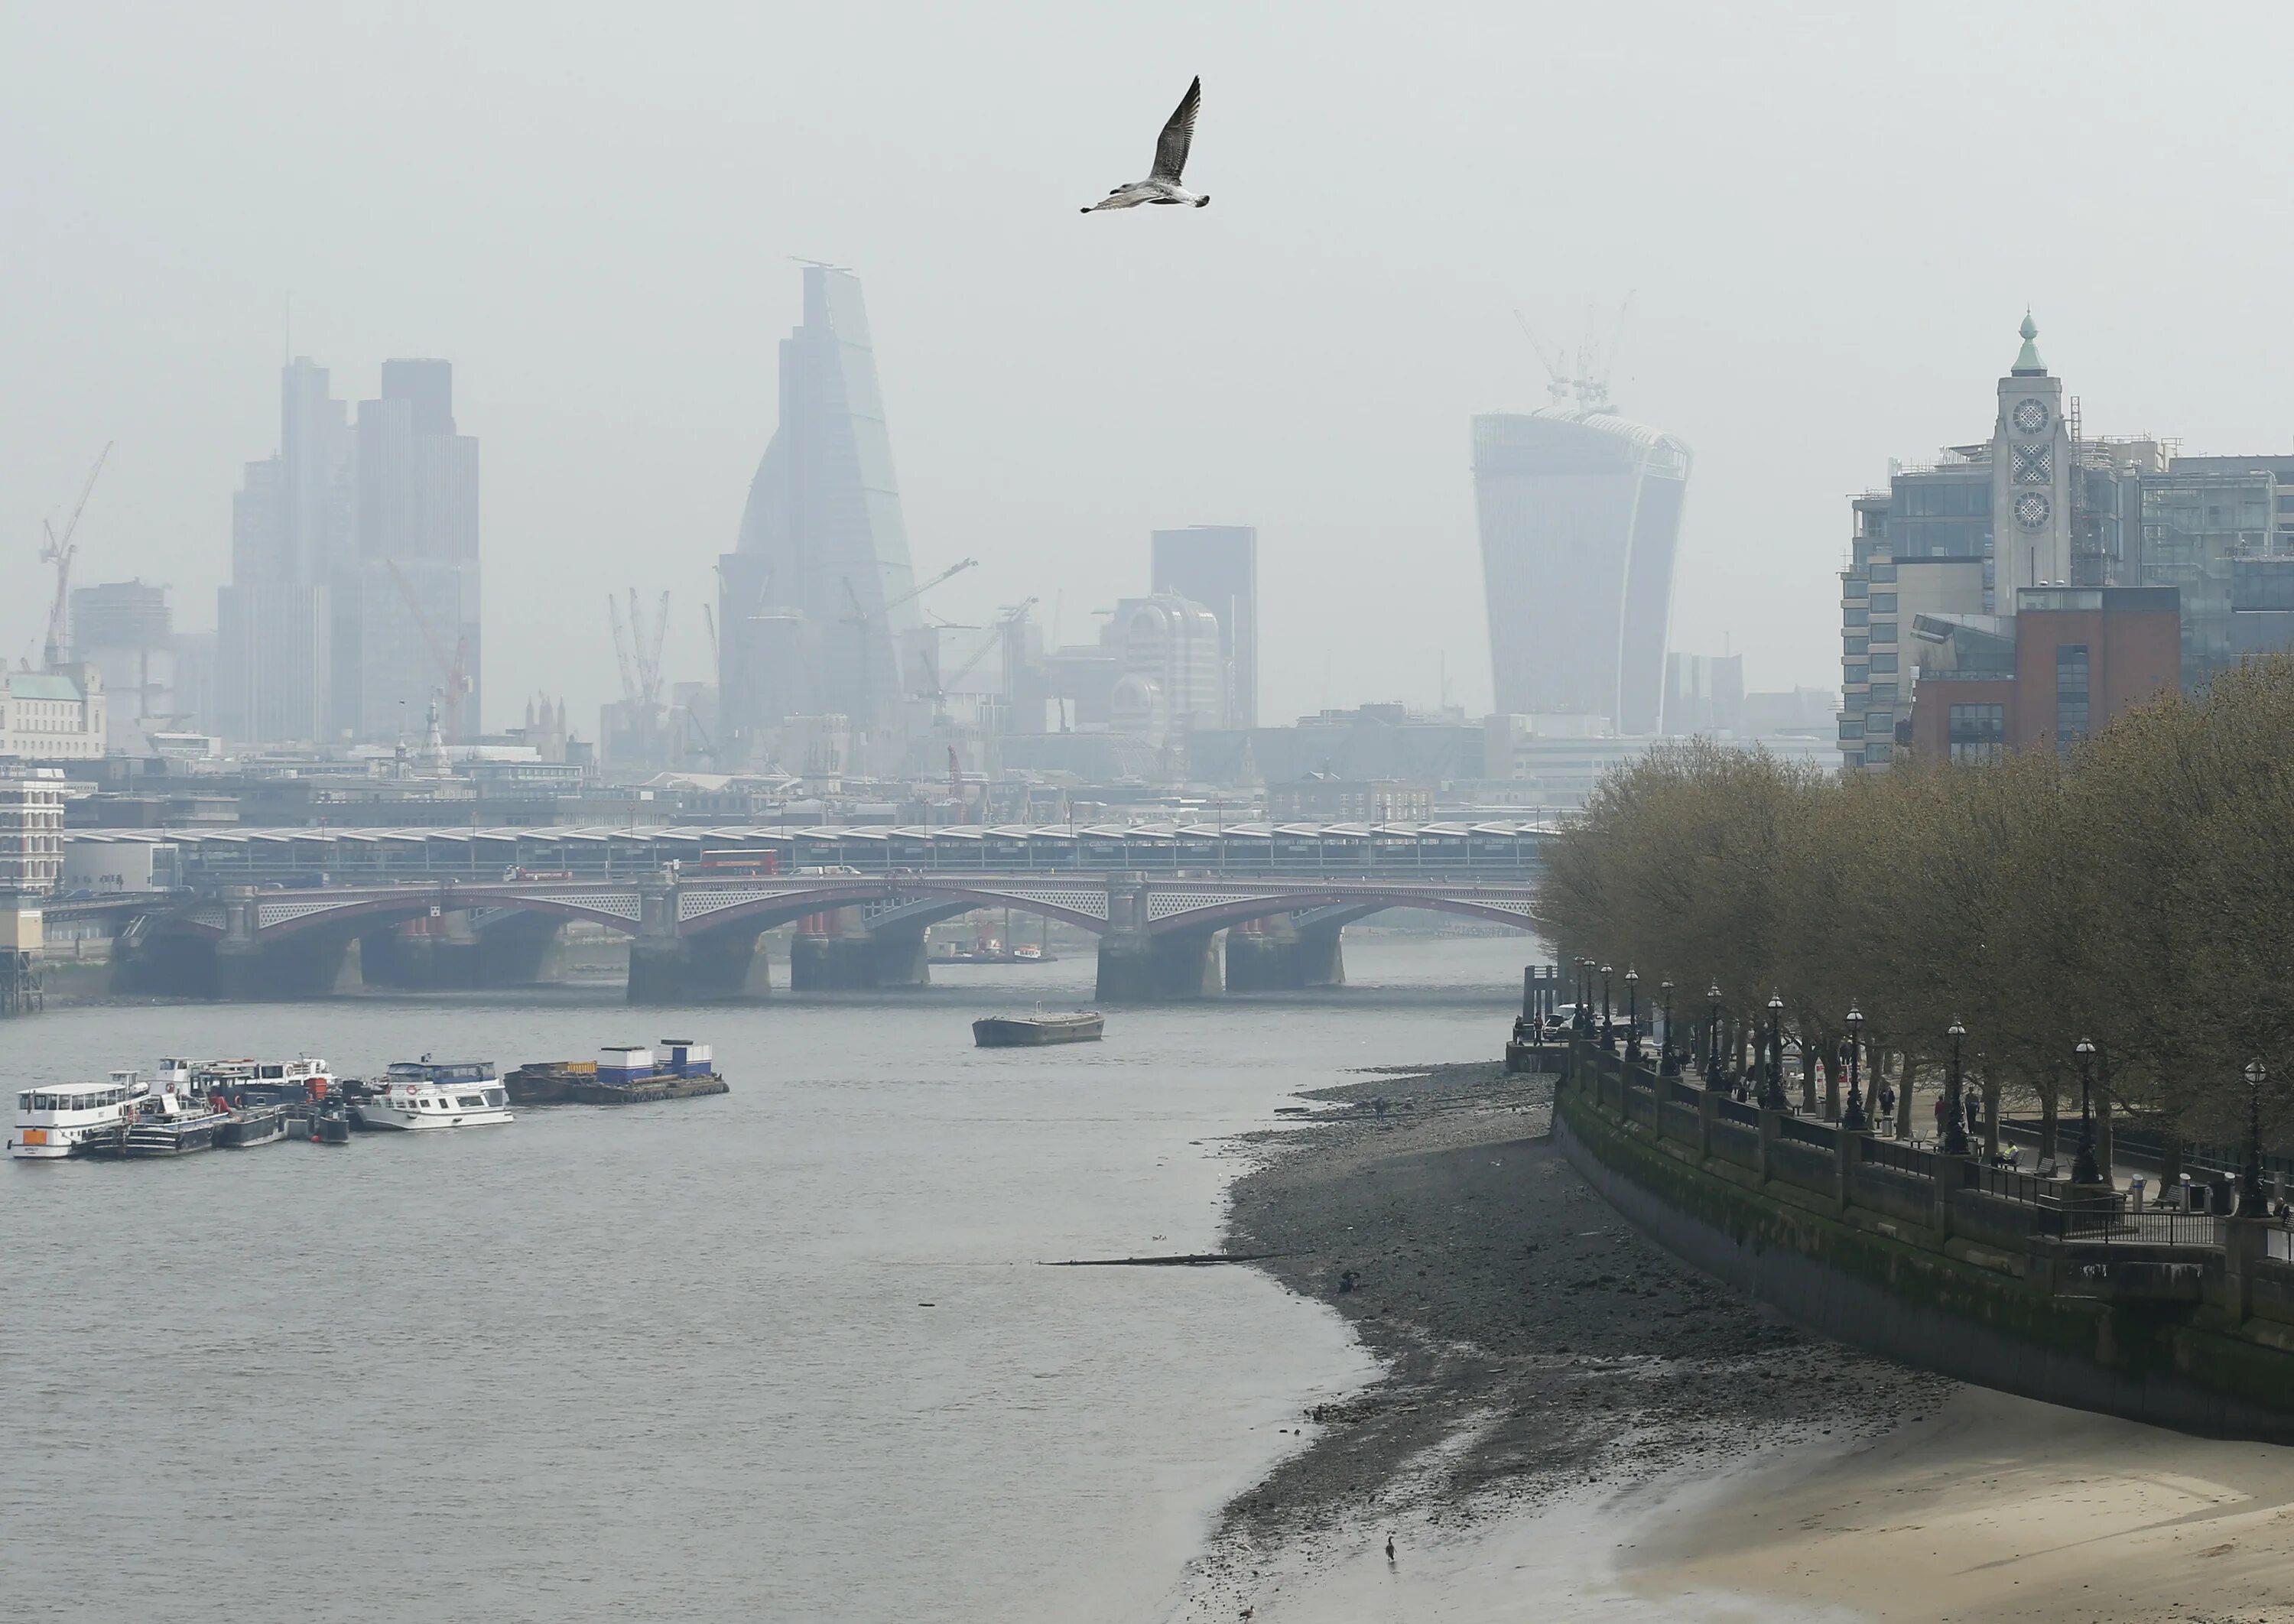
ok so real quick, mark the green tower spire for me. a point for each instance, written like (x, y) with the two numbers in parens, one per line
(2028, 361)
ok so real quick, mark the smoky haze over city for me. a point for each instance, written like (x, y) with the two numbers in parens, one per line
(1827, 225)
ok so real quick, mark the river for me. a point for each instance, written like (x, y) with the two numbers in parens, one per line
(785, 1353)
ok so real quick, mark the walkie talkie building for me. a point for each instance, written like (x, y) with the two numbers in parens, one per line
(1579, 513)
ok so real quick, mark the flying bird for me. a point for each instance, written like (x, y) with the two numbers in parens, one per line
(1162, 182)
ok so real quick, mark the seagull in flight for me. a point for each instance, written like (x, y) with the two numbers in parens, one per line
(1162, 183)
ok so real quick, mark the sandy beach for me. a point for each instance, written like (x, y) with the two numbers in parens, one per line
(1572, 1424)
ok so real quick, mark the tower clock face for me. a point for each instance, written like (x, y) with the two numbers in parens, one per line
(2032, 510)
(2031, 415)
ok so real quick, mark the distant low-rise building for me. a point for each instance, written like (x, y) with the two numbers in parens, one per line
(31, 829)
(1324, 798)
(52, 716)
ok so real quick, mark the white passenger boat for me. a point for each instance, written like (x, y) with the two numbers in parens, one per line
(52, 1122)
(422, 1094)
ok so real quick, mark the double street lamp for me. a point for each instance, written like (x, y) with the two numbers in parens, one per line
(1714, 1078)
(1772, 1095)
(1582, 1016)
(2250, 1190)
(1955, 1119)
(1853, 1119)
(1632, 1015)
(2083, 1168)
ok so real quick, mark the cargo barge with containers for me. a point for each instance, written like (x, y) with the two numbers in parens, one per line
(674, 1068)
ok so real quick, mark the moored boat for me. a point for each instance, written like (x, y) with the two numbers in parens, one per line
(674, 1068)
(251, 1126)
(1029, 1031)
(425, 1094)
(60, 1120)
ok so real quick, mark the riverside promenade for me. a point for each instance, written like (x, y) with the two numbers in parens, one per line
(1993, 1277)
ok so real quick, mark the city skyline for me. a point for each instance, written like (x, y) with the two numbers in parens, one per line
(622, 425)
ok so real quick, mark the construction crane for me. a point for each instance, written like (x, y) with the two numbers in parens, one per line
(1588, 379)
(862, 616)
(59, 550)
(453, 670)
(640, 658)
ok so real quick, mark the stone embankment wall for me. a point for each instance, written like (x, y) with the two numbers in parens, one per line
(1925, 1266)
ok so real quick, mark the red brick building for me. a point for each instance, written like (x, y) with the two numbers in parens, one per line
(2071, 659)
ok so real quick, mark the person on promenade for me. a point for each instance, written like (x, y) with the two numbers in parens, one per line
(1942, 1116)
(1887, 1103)
(1390, 1547)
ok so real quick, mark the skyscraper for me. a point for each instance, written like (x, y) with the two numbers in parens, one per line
(1216, 565)
(815, 598)
(413, 588)
(1580, 516)
(354, 565)
(292, 526)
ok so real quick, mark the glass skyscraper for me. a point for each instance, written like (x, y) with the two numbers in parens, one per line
(1579, 514)
(815, 597)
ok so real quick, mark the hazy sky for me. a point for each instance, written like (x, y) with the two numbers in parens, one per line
(1832, 218)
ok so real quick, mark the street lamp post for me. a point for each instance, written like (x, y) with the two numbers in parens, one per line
(1665, 1065)
(1955, 1119)
(1853, 1119)
(1579, 1019)
(1632, 1015)
(1608, 1038)
(1713, 1077)
(2083, 1168)
(2249, 1189)
(1772, 1096)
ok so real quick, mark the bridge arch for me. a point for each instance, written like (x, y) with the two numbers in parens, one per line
(1081, 906)
(1346, 905)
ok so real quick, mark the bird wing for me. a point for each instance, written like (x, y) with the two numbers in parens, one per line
(1171, 146)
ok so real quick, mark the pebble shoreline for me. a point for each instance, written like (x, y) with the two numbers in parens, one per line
(1531, 1341)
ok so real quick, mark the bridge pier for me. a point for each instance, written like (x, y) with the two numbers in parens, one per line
(724, 967)
(313, 966)
(834, 952)
(521, 950)
(1281, 957)
(897, 957)
(1173, 968)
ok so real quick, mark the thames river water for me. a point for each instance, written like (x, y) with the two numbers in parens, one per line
(785, 1354)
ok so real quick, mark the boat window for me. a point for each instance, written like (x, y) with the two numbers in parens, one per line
(23, 1102)
(470, 1101)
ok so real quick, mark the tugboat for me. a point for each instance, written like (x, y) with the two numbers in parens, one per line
(1029, 1031)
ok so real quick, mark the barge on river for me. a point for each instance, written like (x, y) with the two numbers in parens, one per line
(1027, 1031)
(674, 1068)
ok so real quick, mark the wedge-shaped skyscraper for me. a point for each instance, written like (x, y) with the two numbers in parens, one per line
(816, 595)
(1579, 515)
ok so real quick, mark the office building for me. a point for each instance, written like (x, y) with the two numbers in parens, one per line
(122, 628)
(2062, 666)
(1704, 693)
(1955, 548)
(1579, 515)
(1173, 668)
(1324, 798)
(52, 717)
(409, 606)
(32, 830)
(816, 598)
(356, 546)
(1216, 565)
